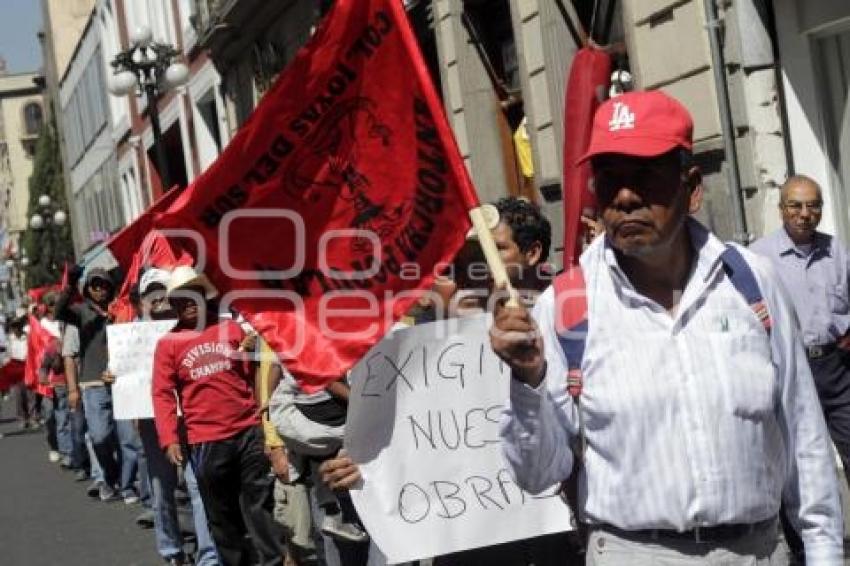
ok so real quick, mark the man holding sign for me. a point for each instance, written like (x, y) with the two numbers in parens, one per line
(133, 399)
(697, 411)
(429, 380)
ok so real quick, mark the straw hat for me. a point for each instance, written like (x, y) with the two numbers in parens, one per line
(185, 276)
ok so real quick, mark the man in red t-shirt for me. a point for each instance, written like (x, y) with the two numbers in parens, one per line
(202, 362)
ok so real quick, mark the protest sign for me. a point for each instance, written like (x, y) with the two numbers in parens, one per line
(131, 347)
(423, 426)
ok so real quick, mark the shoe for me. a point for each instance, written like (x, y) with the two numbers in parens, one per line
(107, 494)
(93, 490)
(54, 456)
(176, 561)
(81, 475)
(335, 527)
(65, 463)
(145, 519)
(131, 499)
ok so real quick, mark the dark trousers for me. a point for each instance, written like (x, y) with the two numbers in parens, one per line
(832, 381)
(559, 549)
(233, 478)
(25, 402)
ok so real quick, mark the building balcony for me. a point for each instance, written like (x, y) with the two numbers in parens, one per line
(225, 26)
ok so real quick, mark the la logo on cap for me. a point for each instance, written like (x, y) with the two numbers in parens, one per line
(622, 118)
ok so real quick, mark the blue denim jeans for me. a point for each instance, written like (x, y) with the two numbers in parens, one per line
(163, 479)
(62, 414)
(79, 452)
(115, 443)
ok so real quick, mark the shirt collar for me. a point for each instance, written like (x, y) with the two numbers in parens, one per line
(707, 246)
(820, 242)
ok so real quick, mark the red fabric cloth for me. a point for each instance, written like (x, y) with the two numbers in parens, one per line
(587, 85)
(351, 137)
(53, 348)
(125, 244)
(11, 373)
(154, 251)
(35, 294)
(38, 340)
(215, 387)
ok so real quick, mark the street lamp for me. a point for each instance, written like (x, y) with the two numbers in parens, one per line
(46, 223)
(151, 67)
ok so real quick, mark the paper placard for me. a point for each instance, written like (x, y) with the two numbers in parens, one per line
(131, 348)
(423, 425)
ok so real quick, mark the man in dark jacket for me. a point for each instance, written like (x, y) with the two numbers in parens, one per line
(114, 442)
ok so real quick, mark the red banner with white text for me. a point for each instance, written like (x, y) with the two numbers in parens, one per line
(337, 198)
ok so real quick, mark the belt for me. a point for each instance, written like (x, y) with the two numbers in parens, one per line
(820, 351)
(707, 535)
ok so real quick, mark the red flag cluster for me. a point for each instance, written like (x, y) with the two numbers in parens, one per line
(39, 340)
(330, 208)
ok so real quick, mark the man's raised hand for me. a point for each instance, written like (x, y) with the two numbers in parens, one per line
(515, 338)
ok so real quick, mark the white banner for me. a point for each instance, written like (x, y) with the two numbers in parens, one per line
(423, 425)
(131, 347)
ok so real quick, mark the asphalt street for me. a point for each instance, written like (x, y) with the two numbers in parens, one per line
(46, 519)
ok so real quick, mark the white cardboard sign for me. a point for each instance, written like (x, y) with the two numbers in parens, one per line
(423, 425)
(131, 348)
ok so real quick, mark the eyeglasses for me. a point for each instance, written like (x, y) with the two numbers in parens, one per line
(796, 206)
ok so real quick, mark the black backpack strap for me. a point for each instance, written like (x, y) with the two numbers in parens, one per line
(744, 280)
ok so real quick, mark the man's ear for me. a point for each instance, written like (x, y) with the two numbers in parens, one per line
(533, 254)
(693, 181)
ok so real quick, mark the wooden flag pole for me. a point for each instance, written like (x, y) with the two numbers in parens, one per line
(491, 254)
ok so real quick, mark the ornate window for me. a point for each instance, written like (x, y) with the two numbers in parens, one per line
(33, 118)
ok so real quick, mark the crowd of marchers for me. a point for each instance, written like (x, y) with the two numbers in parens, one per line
(689, 402)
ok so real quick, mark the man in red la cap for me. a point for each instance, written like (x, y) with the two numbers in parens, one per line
(691, 412)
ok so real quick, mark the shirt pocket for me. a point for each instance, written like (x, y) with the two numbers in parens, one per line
(746, 374)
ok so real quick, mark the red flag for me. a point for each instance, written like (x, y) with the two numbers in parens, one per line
(587, 87)
(154, 251)
(37, 293)
(125, 243)
(38, 339)
(352, 137)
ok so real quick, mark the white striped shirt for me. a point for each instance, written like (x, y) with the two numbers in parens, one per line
(693, 420)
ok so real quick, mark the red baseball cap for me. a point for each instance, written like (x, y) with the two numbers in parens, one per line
(642, 124)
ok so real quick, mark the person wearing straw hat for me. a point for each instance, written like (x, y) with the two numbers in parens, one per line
(200, 366)
(690, 407)
(153, 305)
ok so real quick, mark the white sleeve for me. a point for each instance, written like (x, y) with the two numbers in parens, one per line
(535, 428)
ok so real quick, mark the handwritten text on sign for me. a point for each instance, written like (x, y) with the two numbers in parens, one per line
(423, 425)
(131, 347)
